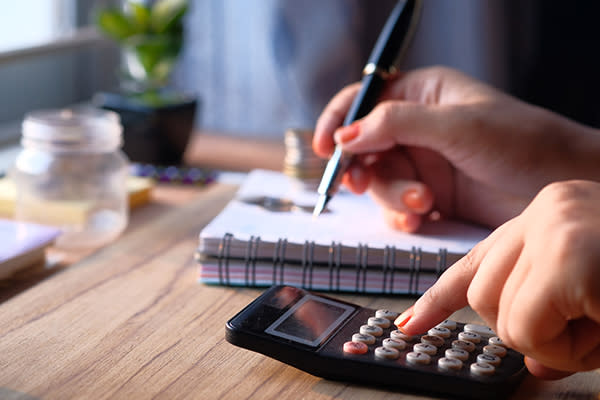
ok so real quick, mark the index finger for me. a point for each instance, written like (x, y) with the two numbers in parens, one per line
(448, 294)
(331, 118)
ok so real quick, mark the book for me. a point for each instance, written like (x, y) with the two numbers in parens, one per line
(267, 235)
(23, 245)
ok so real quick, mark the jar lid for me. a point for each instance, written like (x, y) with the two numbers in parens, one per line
(76, 129)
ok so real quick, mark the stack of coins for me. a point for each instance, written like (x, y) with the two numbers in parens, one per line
(300, 161)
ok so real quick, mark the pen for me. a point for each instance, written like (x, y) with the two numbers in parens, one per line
(390, 46)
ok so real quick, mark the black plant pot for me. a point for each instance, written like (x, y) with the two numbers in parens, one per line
(156, 126)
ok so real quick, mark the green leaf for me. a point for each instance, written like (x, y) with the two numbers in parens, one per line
(114, 24)
(156, 54)
(140, 16)
(167, 15)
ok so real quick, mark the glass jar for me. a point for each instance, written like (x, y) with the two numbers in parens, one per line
(72, 174)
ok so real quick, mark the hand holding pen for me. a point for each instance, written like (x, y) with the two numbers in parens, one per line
(439, 140)
(392, 40)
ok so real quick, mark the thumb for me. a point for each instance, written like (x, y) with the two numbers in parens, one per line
(394, 123)
(541, 371)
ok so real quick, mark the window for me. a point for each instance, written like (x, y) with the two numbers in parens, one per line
(27, 23)
(50, 57)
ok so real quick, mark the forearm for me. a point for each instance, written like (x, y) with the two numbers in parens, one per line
(574, 149)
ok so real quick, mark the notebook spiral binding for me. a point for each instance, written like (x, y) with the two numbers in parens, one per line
(223, 258)
(334, 260)
(334, 264)
(250, 260)
(308, 255)
(279, 259)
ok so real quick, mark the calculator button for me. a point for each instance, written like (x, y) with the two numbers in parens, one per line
(415, 357)
(361, 337)
(355, 348)
(452, 364)
(425, 348)
(469, 337)
(387, 353)
(489, 358)
(463, 345)
(494, 350)
(432, 340)
(391, 315)
(397, 344)
(448, 324)
(381, 322)
(371, 330)
(482, 369)
(402, 336)
(481, 330)
(440, 331)
(495, 340)
(459, 354)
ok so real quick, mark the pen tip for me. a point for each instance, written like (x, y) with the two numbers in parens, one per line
(320, 206)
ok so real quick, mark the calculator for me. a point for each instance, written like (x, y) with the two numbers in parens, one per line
(338, 340)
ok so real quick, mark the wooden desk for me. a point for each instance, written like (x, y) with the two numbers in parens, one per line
(130, 321)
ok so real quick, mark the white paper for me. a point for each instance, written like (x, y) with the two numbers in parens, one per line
(352, 220)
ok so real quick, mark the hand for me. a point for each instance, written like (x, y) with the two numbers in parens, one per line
(535, 281)
(439, 140)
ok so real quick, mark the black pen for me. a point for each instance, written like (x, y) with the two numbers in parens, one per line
(390, 45)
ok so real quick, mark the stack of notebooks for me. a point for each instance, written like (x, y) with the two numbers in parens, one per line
(23, 245)
(267, 235)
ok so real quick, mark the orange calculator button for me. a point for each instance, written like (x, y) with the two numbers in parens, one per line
(355, 348)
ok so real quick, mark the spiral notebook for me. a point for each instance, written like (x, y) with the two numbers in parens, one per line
(267, 235)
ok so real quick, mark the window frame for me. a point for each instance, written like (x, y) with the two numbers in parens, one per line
(74, 49)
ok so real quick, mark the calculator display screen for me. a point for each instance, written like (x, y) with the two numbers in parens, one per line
(310, 321)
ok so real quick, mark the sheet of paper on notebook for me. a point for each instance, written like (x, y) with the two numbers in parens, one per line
(351, 232)
(23, 245)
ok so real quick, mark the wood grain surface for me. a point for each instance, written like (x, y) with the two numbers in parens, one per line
(130, 321)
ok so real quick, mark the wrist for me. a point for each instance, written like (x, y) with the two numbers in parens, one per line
(576, 149)
(584, 154)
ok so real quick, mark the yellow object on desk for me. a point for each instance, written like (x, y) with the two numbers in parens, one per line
(139, 190)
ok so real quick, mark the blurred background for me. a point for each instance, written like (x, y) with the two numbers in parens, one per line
(260, 67)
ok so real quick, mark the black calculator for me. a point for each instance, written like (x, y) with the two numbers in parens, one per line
(337, 340)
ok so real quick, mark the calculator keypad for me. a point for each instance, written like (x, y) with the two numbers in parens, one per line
(363, 338)
(450, 364)
(450, 345)
(397, 344)
(399, 335)
(371, 330)
(416, 357)
(380, 322)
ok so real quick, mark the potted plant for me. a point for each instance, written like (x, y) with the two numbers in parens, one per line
(157, 119)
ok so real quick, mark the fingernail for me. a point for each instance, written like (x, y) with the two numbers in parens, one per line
(404, 317)
(413, 199)
(347, 133)
(406, 222)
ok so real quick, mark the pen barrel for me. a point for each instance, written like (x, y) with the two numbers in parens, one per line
(391, 41)
(366, 99)
(396, 34)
